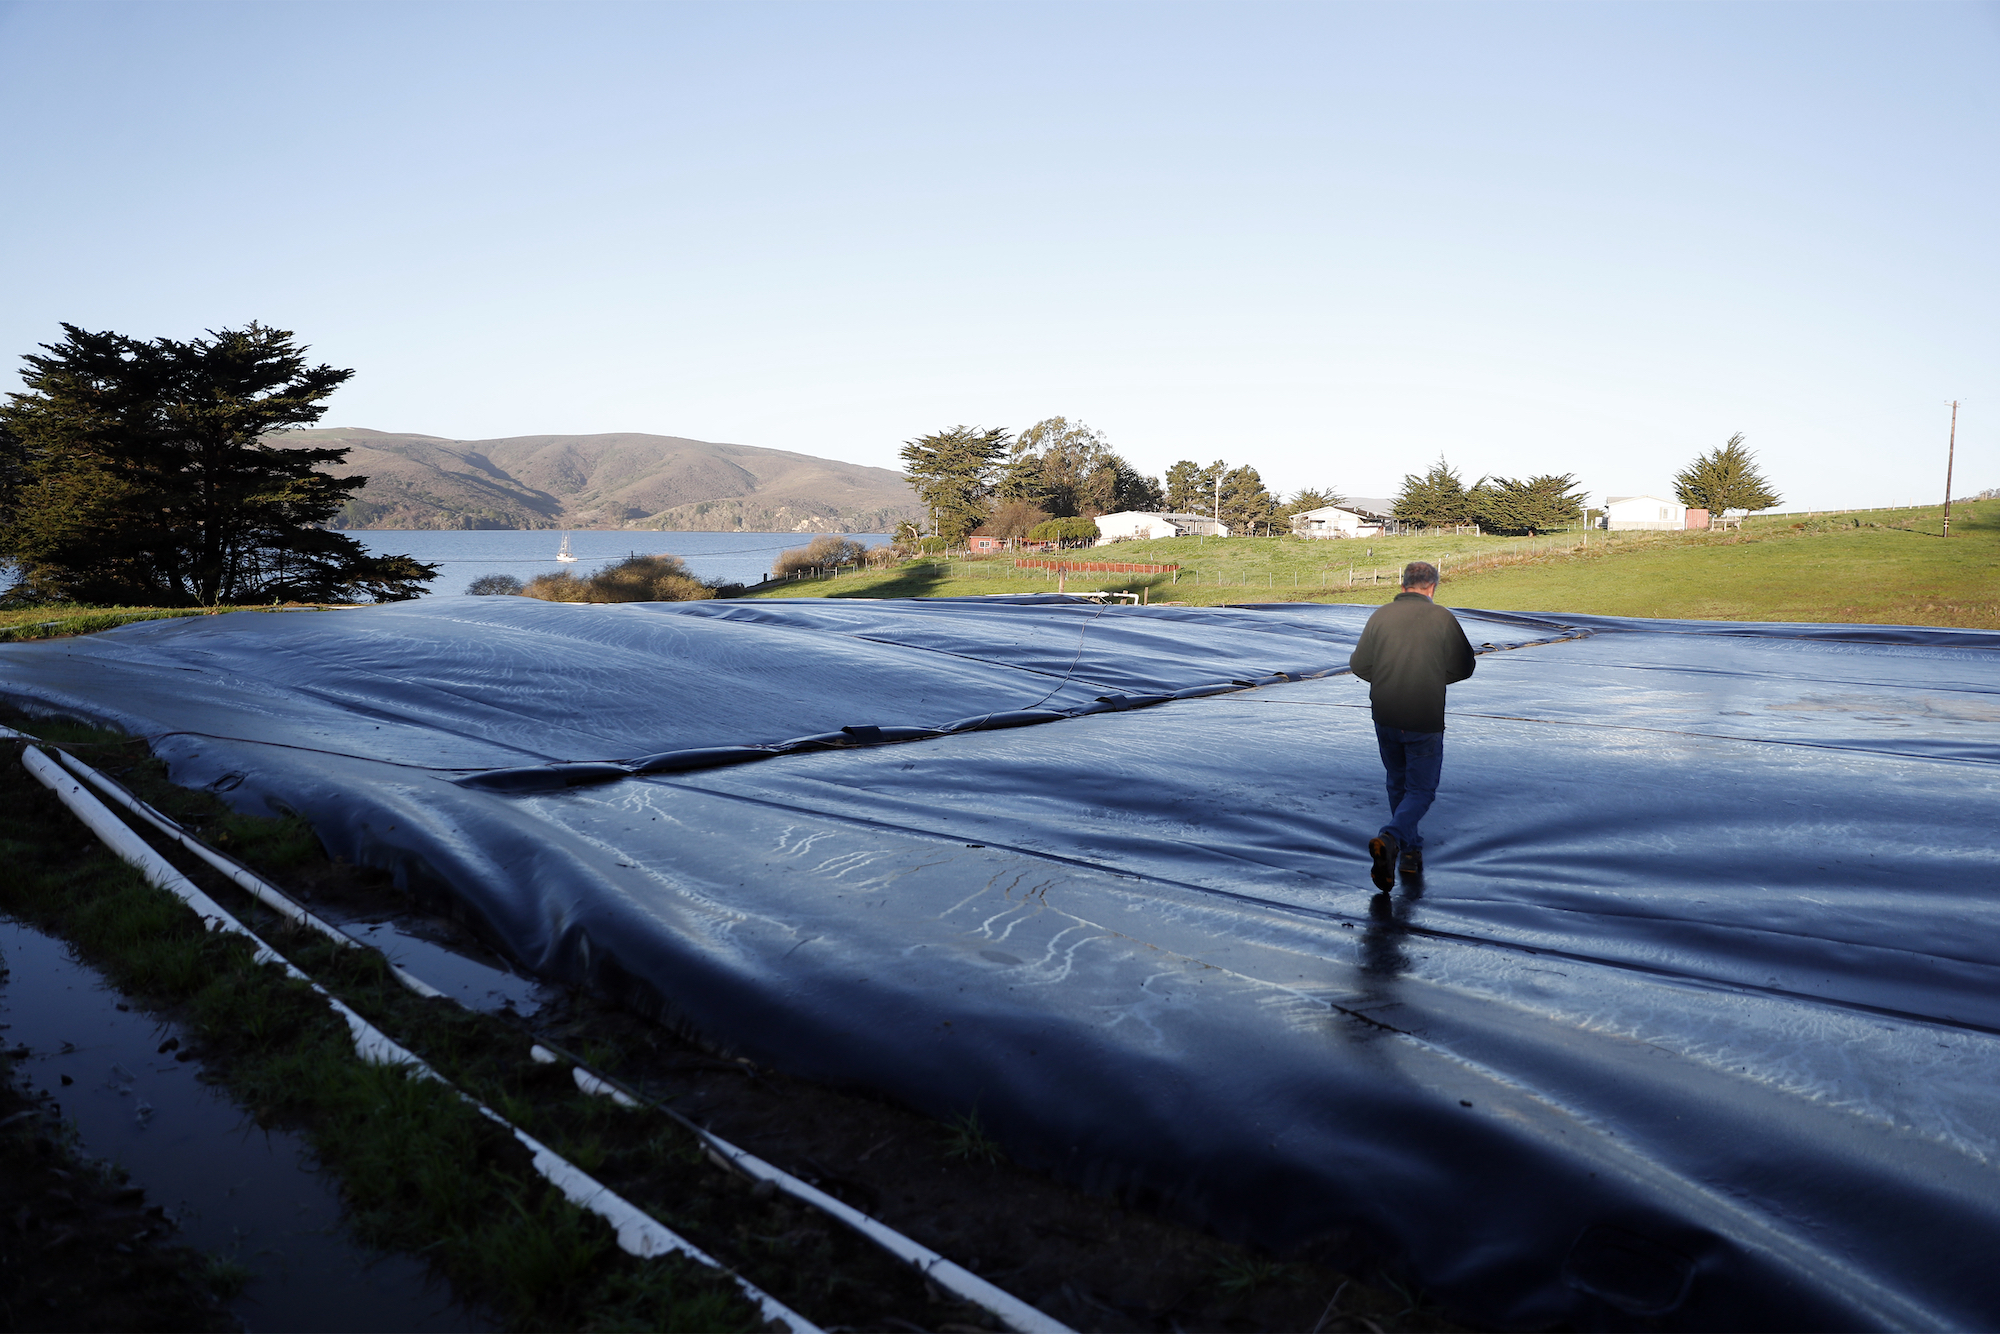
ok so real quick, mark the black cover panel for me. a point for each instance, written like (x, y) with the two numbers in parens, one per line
(1693, 1023)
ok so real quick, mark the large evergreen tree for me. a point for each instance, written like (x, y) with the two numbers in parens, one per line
(1435, 500)
(1068, 469)
(138, 472)
(1191, 487)
(1248, 509)
(1725, 479)
(1114, 486)
(1507, 505)
(952, 472)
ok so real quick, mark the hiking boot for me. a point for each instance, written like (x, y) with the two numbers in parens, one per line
(1412, 862)
(1382, 849)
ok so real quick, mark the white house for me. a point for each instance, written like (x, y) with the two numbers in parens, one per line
(1142, 525)
(1360, 517)
(1333, 521)
(1624, 513)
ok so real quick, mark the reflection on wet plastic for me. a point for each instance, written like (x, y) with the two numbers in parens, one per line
(235, 1190)
(485, 987)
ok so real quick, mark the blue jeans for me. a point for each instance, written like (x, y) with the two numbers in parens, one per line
(1414, 760)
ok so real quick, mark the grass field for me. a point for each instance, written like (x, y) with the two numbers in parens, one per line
(1881, 567)
(50, 622)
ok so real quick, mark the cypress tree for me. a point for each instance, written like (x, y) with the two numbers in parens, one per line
(1435, 500)
(140, 472)
(952, 473)
(1725, 479)
(1507, 505)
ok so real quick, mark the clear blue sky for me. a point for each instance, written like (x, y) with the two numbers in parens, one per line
(1329, 240)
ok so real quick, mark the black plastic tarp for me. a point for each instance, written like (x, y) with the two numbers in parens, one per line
(1692, 1022)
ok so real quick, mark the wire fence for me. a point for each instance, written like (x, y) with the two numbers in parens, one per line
(1099, 566)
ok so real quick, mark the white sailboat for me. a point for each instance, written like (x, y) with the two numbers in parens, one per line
(566, 556)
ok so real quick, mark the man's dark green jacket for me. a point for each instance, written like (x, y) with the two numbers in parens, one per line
(1410, 651)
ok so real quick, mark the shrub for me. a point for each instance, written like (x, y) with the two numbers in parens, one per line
(562, 586)
(826, 550)
(1064, 530)
(494, 585)
(661, 578)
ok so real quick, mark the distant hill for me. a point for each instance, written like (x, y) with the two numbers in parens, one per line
(606, 481)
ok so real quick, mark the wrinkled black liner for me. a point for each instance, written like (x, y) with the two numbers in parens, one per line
(1691, 1023)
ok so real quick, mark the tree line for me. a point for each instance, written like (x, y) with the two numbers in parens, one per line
(138, 471)
(1440, 498)
(990, 480)
(1724, 478)
(1046, 483)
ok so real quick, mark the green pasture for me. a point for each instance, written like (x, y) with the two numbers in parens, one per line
(1881, 566)
(1213, 570)
(50, 622)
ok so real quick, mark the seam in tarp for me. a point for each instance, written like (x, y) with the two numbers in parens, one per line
(580, 773)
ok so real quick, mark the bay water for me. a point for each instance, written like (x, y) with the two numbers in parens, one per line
(743, 558)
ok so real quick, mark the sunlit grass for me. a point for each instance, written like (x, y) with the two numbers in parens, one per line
(56, 620)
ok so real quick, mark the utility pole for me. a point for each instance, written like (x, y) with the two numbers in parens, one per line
(1950, 455)
(1218, 499)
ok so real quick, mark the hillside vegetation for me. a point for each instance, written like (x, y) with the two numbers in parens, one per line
(621, 480)
(1881, 567)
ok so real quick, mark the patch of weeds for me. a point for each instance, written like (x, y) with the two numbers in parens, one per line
(671, 1282)
(586, 1151)
(283, 844)
(224, 1276)
(966, 1138)
(1242, 1275)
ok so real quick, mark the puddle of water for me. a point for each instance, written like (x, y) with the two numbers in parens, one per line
(234, 1188)
(476, 985)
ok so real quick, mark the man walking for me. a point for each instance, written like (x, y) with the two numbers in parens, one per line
(1410, 651)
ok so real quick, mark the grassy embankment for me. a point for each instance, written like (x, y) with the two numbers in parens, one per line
(1882, 567)
(69, 618)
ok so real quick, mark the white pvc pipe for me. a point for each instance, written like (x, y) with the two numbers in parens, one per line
(131, 848)
(246, 879)
(638, 1233)
(1017, 1314)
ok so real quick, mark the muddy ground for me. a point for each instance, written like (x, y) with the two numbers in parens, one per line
(80, 1249)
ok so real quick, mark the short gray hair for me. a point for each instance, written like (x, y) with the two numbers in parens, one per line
(1420, 574)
